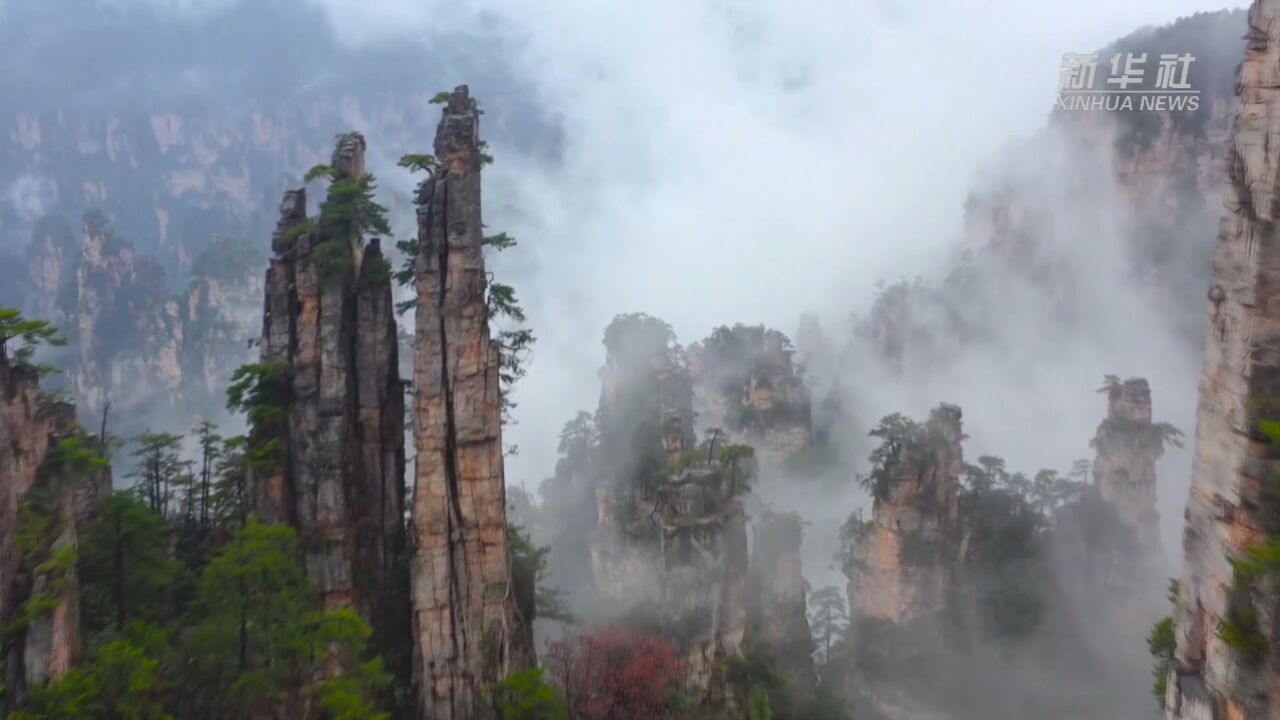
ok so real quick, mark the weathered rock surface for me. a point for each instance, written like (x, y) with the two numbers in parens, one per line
(46, 644)
(778, 615)
(221, 311)
(745, 383)
(678, 553)
(1128, 445)
(132, 342)
(468, 632)
(129, 330)
(902, 564)
(329, 330)
(1230, 508)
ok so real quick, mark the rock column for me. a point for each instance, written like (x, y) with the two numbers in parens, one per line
(468, 630)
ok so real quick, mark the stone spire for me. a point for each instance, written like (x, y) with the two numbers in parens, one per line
(468, 631)
(329, 331)
(1232, 507)
(901, 562)
(1128, 445)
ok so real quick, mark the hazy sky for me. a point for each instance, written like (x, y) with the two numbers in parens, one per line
(743, 161)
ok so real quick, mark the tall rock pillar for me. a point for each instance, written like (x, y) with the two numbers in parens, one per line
(901, 562)
(329, 336)
(468, 631)
(1128, 445)
(1233, 505)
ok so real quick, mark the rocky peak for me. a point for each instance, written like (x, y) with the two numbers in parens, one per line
(1128, 445)
(467, 628)
(1129, 402)
(746, 384)
(348, 155)
(914, 520)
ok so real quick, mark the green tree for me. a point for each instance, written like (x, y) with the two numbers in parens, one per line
(349, 209)
(828, 618)
(529, 696)
(737, 457)
(22, 337)
(759, 706)
(125, 564)
(1161, 644)
(419, 163)
(229, 496)
(894, 432)
(122, 680)
(258, 636)
(261, 391)
(47, 553)
(529, 573)
(160, 469)
(211, 451)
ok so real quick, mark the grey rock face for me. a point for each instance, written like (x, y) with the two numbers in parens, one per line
(329, 328)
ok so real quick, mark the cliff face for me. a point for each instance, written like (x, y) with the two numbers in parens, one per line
(44, 640)
(220, 312)
(1230, 508)
(132, 342)
(468, 632)
(778, 613)
(129, 331)
(329, 329)
(902, 561)
(745, 383)
(1128, 445)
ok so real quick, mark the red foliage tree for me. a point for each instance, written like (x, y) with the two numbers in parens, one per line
(617, 674)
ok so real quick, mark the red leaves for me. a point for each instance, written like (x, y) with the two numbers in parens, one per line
(617, 674)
